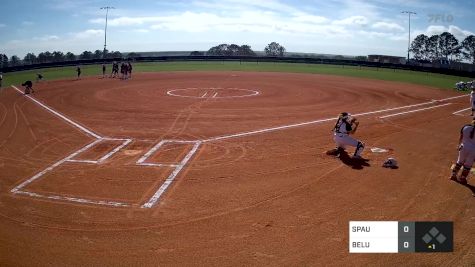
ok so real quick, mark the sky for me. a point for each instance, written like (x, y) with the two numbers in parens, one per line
(343, 27)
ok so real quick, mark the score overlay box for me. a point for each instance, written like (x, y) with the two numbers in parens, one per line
(400, 237)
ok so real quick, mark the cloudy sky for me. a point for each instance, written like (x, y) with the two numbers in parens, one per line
(348, 27)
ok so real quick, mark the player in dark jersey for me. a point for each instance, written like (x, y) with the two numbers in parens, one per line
(129, 68)
(78, 70)
(39, 77)
(115, 69)
(103, 70)
(28, 87)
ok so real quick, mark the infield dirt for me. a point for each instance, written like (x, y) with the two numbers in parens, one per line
(268, 198)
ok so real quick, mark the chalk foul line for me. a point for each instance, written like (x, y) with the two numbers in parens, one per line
(412, 111)
(460, 111)
(272, 129)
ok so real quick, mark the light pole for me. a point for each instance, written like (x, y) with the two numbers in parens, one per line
(105, 30)
(409, 39)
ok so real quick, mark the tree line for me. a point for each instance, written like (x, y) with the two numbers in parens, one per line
(272, 49)
(443, 47)
(58, 56)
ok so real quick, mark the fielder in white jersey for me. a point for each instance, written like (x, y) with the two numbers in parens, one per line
(345, 126)
(466, 153)
(472, 100)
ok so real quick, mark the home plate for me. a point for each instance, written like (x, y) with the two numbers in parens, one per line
(378, 150)
(132, 152)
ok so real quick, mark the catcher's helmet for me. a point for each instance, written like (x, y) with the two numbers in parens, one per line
(344, 115)
(390, 163)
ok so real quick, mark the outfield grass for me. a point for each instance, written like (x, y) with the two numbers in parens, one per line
(422, 78)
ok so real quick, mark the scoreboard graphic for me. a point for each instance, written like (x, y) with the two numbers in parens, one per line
(400, 237)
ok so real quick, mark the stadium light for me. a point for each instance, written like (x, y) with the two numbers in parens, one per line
(409, 13)
(105, 30)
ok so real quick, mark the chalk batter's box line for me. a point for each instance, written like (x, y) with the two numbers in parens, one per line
(156, 197)
(106, 156)
(154, 149)
(19, 189)
(148, 204)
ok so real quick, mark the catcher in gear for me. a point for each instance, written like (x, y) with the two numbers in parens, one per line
(344, 127)
(466, 155)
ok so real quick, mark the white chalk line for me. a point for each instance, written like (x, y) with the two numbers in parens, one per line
(150, 152)
(50, 168)
(83, 161)
(74, 199)
(460, 111)
(70, 158)
(149, 204)
(106, 156)
(250, 92)
(272, 129)
(124, 144)
(75, 124)
(142, 160)
(178, 167)
(154, 199)
(159, 164)
(412, 111)
(17, 189)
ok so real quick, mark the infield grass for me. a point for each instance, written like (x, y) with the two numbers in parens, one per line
(422, 78)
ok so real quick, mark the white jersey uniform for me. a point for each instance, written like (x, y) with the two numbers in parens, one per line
(341, 135)
(467, 150)
(472, 99)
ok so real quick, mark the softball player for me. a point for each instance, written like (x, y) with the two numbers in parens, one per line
(78, 70)
(345, 126)
(129, 68)
(39, 77)
(472, 100)
(28, 87)
(466, 153)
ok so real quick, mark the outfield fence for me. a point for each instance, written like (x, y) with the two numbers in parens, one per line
(465, 70)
